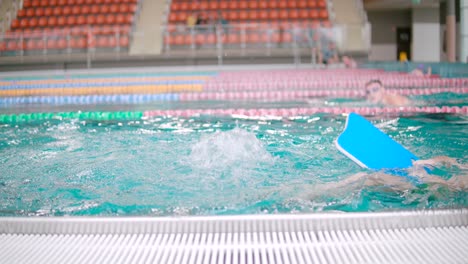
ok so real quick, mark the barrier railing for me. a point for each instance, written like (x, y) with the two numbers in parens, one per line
(316, 42)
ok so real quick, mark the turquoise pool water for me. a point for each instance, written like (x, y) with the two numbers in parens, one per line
(211, 166)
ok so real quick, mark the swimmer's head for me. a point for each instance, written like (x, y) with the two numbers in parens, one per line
(374, 91)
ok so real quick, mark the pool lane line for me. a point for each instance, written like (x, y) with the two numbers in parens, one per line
(110, 75)
(96, 116)
(272, 112)
(137, 89)
(96, 84)
(291, 112)
(285, 95)
(115, 80)
(89, 99)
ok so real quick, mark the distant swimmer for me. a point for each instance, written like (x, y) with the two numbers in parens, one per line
(377, 94)
(419, 71)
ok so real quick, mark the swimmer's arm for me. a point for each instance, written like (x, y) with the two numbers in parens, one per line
(441, 161)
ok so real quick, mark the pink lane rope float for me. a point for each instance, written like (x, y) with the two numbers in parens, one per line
(291, 112)
(295, 94)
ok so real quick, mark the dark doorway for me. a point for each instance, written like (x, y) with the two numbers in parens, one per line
(403, 42)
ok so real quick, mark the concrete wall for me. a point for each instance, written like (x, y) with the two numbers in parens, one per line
(426, 34)
(384, 24)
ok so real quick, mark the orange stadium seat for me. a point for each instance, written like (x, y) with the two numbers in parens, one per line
(321, 4)
(253, 4)
(312, 4)
(48, 11)
(272, 4)
(223, 5)
(233, 5)
(274, 15)
(263, 4)
(263, 15)
(323, 14)
(21, 13)
(314, 14)
(203, 5)
(213, 5)
(283, 4)
(243, 4)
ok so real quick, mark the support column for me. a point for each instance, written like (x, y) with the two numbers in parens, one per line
(464, 31)
(426, 34)
(450, 26)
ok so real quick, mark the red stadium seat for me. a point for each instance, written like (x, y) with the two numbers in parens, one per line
(66, 11)
(71, 20)
(61, 21)
(243, 15)
(253, 15)
(223, 5)
(61, 2)
(52, 21)
(292, 4)
(26, 3)
(204, 5)
(51, 44)
(71, 2)
(30, 12)
(124, 41)
(48, 11)
(233, 39)
(263, 15)
(312, 3)
(114, 9)
(233, 5)
(243, 4)
(100, 19)
(57, 11)
(42, 22)
(85, 9)
(175, 6)
(233, 15)
(61, 43)
(104, 9)
(253, 38)
(24, 23)
(123, 8)
(323, 14)
(81, 20)
(79, 2)
(52, 2)
(302, 4)
(76, 10)
(321, 4)
(213, 5)
(33, 22)
(110, 19)
(282, 4)
(293, 14)
(274, 15)
(39, 12)
(253, 4)
(39, 44)
(21, 13)
(120, 19)
(15, 23)
(283, 14)
(95, 9)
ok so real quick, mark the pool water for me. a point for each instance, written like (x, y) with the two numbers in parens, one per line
(170, 166)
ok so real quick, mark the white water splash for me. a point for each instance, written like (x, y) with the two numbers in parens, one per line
(228, 149)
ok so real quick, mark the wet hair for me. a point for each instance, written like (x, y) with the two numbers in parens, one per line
(377, 81)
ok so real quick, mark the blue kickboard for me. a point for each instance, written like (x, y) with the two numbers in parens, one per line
(371, 148)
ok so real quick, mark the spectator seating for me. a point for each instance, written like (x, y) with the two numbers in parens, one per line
(269, 21)
(74, 24)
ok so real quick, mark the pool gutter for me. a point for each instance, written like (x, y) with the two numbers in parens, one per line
(429, 236)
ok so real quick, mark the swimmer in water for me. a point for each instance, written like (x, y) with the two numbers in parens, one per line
(419, 71)
(394, 182)
(377, 94)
